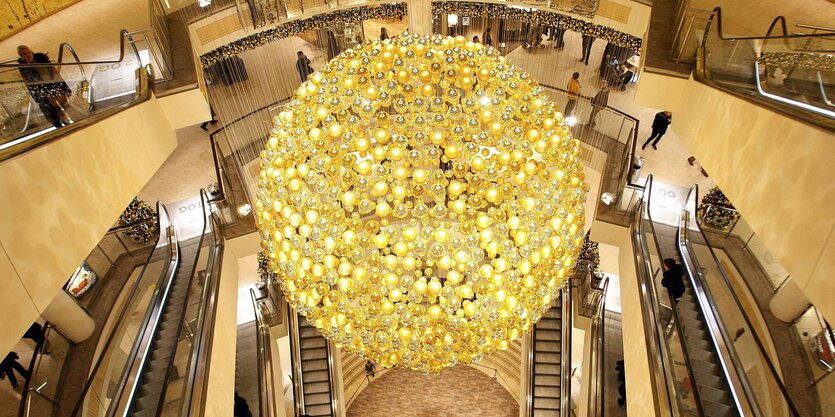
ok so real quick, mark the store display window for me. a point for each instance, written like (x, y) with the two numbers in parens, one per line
(82, 280)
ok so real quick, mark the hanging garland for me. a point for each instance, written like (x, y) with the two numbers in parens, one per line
(398, 10)
(589, 257)
(267, 276)
(716, 210)
(139, 212)
(538, 17)
(295, 27)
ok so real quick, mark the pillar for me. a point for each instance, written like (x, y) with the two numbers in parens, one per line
(420, 16)
(789, 302)
(69, 318)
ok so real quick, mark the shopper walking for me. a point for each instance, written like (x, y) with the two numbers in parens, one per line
(673, 279)
(486, 38)
(588, 40)
(45, 85)
(558, 36)
(9, 363)
(573, 94)
(659, 128)
(303, 66)
(599, 102)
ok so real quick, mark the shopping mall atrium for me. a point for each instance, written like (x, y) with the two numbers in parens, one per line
(451, 208)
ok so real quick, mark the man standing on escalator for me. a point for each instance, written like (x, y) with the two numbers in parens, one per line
(673, 279)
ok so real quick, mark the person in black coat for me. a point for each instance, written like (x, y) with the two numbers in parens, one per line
(384, 34)
(599, 102)
(588, 40)
(9, 363)
(659, 128)
(303, 66)
(241, 408)
(673, 279)
(487, 38)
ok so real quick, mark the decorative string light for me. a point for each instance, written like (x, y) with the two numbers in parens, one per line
(421, 201)
(398, 10)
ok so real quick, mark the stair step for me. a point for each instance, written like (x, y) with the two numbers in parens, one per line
(314, 365)
(317, 387)
(549, 403)
(320, 410)
(314, 376)
(547, 369)
(546, 392)
(549, 380)
(712, 409)
(714, 393)
(149, 402)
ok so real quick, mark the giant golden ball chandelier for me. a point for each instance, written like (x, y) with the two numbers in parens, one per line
(420, 200)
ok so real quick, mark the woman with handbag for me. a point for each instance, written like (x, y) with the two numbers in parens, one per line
(45, 85)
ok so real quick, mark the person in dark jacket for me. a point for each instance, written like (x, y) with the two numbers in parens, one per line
(588, 40)
(599, 101)
(9, 363)
(45, 85)
(673, 279)
(487, 38)
(659, 128)
(241, 408)
(303, 66)
(384, 34)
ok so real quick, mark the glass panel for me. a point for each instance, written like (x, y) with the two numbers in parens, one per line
(726, 290)
(46, 375)
(125, 329)
(39, 99)
(668, 331)
(180, 379)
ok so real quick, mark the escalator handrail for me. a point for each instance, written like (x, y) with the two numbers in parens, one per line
(266, 378)
(200, 362)
(658, 356)
(566, 327)
(596, 350)
(124, 39)
(778, 22)
(150, 325)
(191, 274)
(170, 235)
(685, 244)
(295, 360)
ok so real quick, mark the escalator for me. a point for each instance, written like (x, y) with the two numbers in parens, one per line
(167, 322)
(312, 368)
(550, 361)
(714, 391)
(694, 362)
(151, 386)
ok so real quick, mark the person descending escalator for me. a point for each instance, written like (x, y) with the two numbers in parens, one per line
(673, 279)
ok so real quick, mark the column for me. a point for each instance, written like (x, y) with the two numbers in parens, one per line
(69, 318)
(420, 16)
(789, 302)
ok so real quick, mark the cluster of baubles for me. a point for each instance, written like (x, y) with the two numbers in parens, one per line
(421, 201)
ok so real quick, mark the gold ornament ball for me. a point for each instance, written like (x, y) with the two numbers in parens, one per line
(420, 201)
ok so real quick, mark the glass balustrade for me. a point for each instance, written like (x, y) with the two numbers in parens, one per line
(41, 100)
(124, 329)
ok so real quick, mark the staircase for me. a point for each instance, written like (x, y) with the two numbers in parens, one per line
(710, 382)
(155, 375)
(315, 370)
(546, 368)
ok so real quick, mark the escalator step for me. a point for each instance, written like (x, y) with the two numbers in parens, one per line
(712, 409)
(145, 403)
(547, 369)
(714, 393)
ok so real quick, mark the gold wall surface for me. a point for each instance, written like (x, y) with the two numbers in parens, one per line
(778, 173)
(58, 200)
(17, 15)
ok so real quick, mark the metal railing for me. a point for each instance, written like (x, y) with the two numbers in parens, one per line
(267, 386)
(775, 70)
(565, 348)
(165, 248)
(662, 382)
(597, 348)
(719, 316)
(39, 132)
(295, 360)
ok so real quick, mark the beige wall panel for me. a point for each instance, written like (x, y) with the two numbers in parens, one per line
(185, 109)
(18, 310)
(221, 379)
(821, 285)
(778, 172)
(61, 198)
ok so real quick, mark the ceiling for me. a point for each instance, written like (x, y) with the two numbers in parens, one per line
(20, 14)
